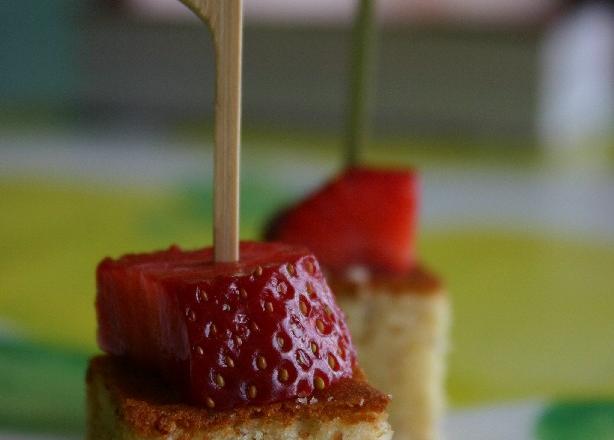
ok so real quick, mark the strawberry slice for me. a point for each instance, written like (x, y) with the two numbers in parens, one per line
(258, 331)
(364, 217)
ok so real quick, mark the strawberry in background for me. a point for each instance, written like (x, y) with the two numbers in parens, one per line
(363, 218)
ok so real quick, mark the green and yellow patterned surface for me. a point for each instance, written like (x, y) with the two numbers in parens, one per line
(532, 310)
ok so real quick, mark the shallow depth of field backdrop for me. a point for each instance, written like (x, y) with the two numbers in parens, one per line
(506, 109)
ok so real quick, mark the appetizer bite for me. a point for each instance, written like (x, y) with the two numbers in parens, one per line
(250, 349)
(362, 227)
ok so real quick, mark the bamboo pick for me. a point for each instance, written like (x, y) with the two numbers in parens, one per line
(225, 20)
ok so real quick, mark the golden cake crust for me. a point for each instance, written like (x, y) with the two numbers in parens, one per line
(151, 408)
(418, 281)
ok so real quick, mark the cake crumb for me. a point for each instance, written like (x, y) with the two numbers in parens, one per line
(358, 274)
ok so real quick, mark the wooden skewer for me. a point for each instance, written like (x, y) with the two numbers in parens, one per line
(225, 20)
(361, 86)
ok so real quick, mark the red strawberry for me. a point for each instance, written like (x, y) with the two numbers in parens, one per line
(364, 217)
(254, 332)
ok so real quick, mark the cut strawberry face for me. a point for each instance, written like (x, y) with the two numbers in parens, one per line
(254, 332)
(364, 217)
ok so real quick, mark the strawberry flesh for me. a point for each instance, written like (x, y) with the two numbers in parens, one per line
(258, 331)
(364, 217)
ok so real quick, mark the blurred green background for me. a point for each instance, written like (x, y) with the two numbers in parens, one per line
(105, 148)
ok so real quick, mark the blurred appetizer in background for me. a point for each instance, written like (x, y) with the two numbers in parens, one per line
(362, 227)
